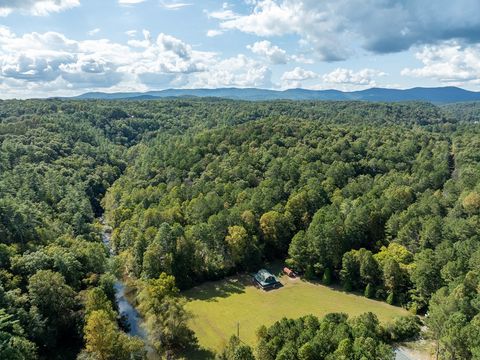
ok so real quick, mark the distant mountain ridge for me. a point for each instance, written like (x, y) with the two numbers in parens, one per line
(449, 94)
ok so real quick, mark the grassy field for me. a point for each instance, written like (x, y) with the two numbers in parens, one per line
(218, 307)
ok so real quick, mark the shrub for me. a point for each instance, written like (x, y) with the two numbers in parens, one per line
(369, 291)
(404, 328)
(390, 298)
(327, 277)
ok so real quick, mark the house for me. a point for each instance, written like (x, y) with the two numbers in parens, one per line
(266, 280)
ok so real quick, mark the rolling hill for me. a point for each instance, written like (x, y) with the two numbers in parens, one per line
(434, 95)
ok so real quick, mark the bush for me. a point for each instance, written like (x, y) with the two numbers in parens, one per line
(404, 328)
(390, 298)
(309, 273)
(369, 291)
(380, 294)
(327, 277)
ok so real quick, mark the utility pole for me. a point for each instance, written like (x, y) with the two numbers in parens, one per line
(238, 330)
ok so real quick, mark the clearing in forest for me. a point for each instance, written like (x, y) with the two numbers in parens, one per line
(219, 307)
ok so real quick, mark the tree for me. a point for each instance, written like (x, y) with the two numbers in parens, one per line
(431, 234)
(104, 340)
(235, 350)
(325, 236)
(369, 291)
(276, 230)
(327, 277)
(471, 203)
(349, 274)
(165, 315)
(453, 337)
(101, 335)
(298, 207)
(298, 252)
(307, 352)
(392, 276)
(167, 328)
(238, 242)
(369, 271)
(368, 348)
(287, 352)
(159, 254)
(97, 300)
(154, 291)
(404, 328)
(365, 325)
(243, 352)
(14, 344)
(440, 309)
(152, 264)
(344, 350)
(333, 337)
(471, 332)
(426, 275)
(54, 300)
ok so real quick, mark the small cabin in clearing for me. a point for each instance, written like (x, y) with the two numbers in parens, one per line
(266, 280)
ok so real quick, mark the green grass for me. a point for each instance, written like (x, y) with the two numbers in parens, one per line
(218, 307)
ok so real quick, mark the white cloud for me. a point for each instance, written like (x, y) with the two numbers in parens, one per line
(298, 74)
(449, 62)
(36, 7)
(178, 47)
(296, 77)
(340, 78)
(364, 77)
(273, 18)
(213, 33)
(275, 54)
(272, 52)
(335, 29)
(224, 14)
(174, 5)
(268, 18)
(130, 2)
(238, 71)
(43, 58)
(93, 32)
(302, 59)
(131, 33)
(49, 63)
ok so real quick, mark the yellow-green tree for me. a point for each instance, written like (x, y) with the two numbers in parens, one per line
(106, 341)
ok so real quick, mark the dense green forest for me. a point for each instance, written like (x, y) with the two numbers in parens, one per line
(383, 199)
(335, 337)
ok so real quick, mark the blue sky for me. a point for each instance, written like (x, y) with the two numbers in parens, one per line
(67, 47)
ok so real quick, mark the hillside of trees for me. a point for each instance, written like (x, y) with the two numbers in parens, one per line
(383, 199)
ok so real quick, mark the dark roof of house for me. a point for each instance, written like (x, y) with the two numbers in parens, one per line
(264, 278)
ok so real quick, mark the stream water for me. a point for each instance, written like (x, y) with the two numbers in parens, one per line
(401, 354)
(124, 307)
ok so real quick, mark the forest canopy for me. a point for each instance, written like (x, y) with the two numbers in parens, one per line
(383, 199)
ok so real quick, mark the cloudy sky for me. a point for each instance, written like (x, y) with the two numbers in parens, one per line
(67, 47)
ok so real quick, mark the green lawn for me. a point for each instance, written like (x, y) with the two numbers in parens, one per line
(218, 307)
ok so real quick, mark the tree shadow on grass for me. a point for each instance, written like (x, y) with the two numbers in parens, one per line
(219, 289)
(333, 286)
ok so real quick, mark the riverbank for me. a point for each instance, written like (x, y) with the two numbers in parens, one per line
(415, 350)
(126, 310)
